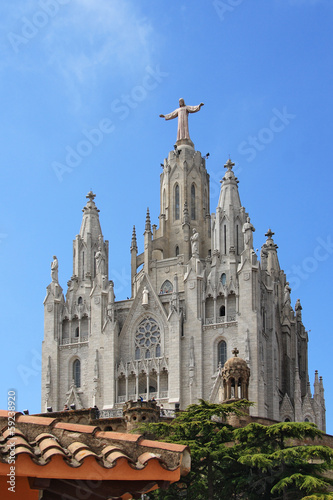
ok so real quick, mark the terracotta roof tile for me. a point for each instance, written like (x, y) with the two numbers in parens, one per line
(4, 413)
(66, 452)
(22, 449)
(109, 449)
(12, 431)
(48, 443)
(51, 452)
(165, 446)
(87, 429)
(32, 419)
(118, 436)
(117, 455)
(18, 441)
(145, 457)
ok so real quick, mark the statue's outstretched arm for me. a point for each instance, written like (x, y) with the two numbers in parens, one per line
(170, 116)
(194, 109)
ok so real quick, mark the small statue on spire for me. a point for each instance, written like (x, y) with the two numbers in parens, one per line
(195, 243)
(54, 269)
(182, 112)
(248, 231)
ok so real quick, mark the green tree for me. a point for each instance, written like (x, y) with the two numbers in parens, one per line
(251, 463)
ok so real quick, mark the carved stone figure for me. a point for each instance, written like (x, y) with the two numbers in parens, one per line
(54, 269)
(248, 231)
(286, 298)
(99, 261)
(145, 295)
(182, 112)
(195, 243)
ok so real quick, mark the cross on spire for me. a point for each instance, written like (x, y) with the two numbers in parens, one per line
(229, 164)
(269, 234)
(235, 352)
(91, 196)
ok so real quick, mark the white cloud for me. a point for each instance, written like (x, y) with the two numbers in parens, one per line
(84, 41)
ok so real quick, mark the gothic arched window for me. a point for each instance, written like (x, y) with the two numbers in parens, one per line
(222, 311)
(222, 353)
(147, 339)
(77, 373)
(223, 278)
(177, 202)
(77, 332)
(166, 287)
(193, 202)
(79, 300)
(177, 250)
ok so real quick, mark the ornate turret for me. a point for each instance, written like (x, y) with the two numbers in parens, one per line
(89, 242)
(230, 218)
(269, 258)
(236, 375)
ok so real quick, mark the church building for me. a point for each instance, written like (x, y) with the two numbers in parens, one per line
(198, 294)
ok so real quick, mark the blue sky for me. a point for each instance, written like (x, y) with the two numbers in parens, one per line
(82, 85)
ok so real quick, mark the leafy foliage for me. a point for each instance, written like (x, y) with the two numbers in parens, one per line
(251, 463)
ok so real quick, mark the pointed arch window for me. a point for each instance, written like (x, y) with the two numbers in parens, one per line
(177, 202)
(193, 202)
(177, 250)
(77, 373)
(221, 353)
(222, 311)
(223, 278)
(167, 287)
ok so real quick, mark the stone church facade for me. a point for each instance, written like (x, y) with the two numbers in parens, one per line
(198, 290)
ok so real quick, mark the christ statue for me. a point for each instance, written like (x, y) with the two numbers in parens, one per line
(182, 113)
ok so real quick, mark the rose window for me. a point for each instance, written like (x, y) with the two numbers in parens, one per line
(147, 339)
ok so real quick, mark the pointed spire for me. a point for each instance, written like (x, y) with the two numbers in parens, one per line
(134, 245)
(316, 384)
(148, 223)
(321, 387)
(308, 389)
(229, 197)
(90, 223)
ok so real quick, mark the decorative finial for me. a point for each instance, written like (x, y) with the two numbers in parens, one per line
(229, 164)
(148, 225)
(133, 245)
(91, 196)
(235, 352)
(269, 234)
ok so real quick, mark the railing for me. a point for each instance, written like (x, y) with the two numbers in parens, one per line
(220, 319)
(133, 397)
(111, 413)
(167, 412)
(74, 340)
